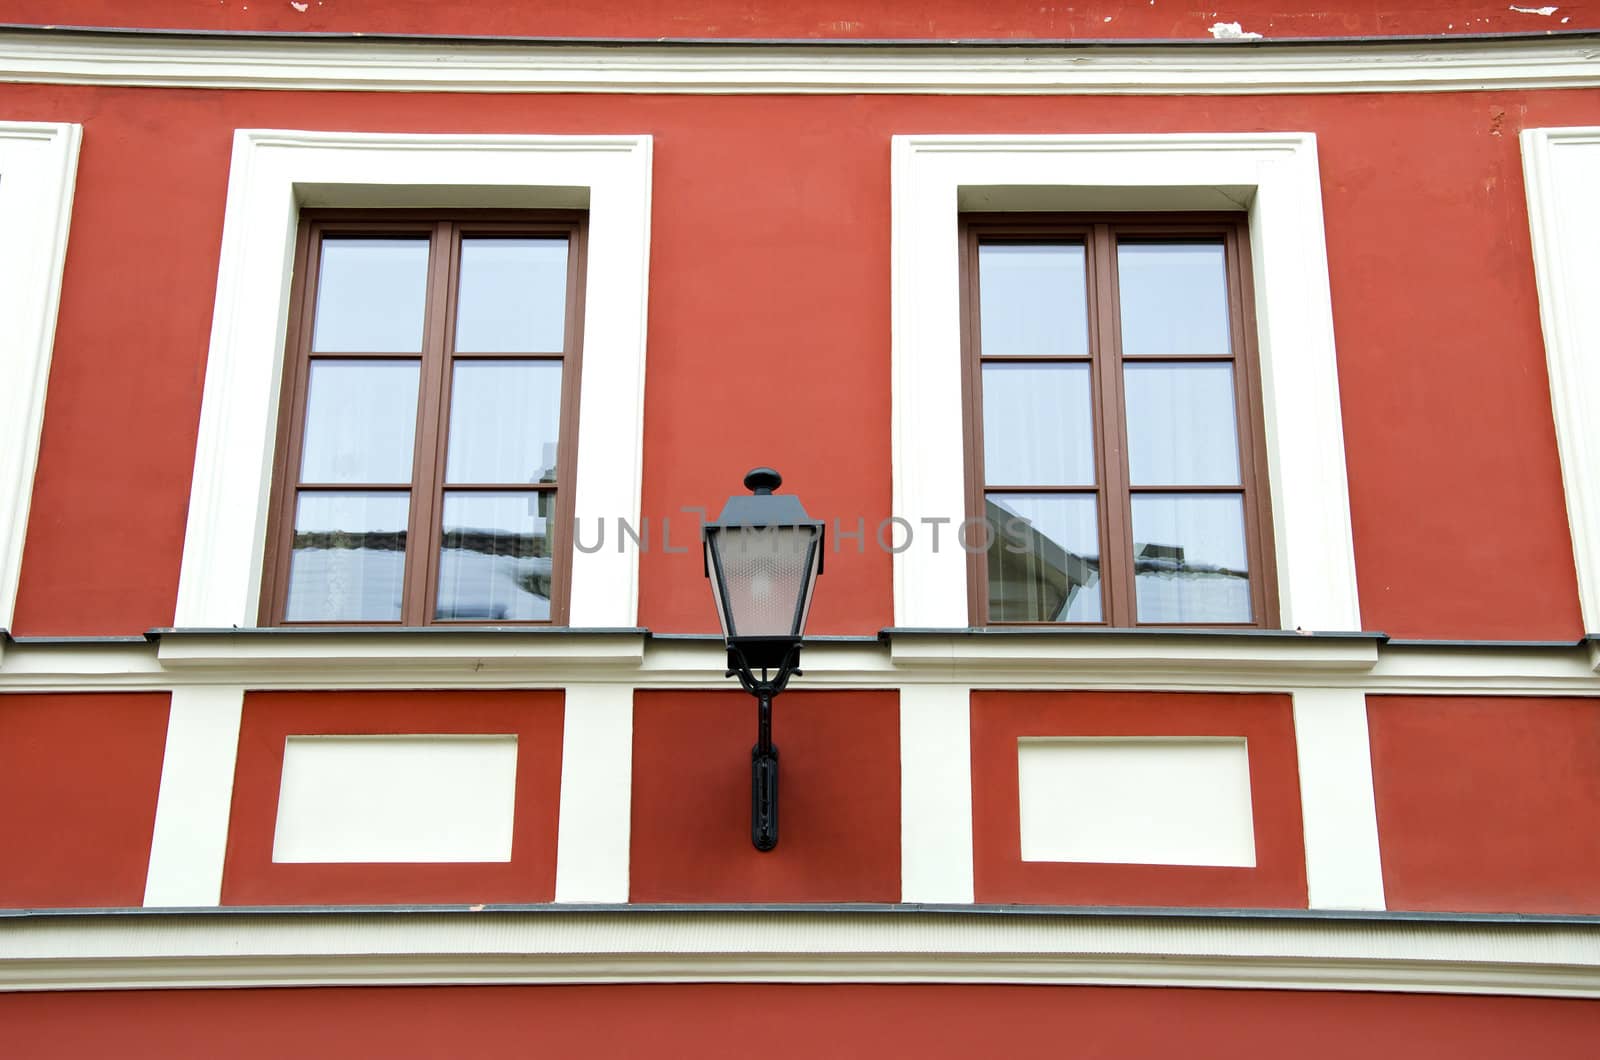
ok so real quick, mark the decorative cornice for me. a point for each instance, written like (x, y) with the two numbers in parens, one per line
(1131, 660)
(646, 946)
(462, 65)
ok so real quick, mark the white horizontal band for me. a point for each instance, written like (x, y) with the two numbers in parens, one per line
(1138, 69)
(190, 950)
(510, 660)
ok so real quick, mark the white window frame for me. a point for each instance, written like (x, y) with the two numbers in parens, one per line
(38, 173)
(1273, 178)
(1562, 171)
(276, 173)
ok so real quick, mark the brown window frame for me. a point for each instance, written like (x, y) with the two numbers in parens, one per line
(1099, 233)
(445, 230)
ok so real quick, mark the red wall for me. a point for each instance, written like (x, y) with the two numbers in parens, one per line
(859, 19)
(79, 776)
(769, 329)
(1278, 877)
(1488, 805)
(838, 798)
(706, 1022)
(249, 875)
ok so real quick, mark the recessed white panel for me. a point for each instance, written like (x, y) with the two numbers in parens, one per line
(396, 799)
(1136, 800)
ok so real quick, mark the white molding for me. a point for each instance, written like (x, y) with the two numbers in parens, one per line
(295, 649)
(38, 172)
(402, 663)
(1152, 651)
(935, 793)
(1562, 170)
(592, 836)
(190, 840)
(87, 952)
(1278, 175)
(1344, 867)
(1099, 69)
(273, 172)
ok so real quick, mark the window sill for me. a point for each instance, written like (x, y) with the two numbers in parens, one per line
(1142, 650)
(399, 647)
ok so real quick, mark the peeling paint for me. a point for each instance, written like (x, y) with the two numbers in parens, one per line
(1232, 31)
(1545, 11)
(302, 8)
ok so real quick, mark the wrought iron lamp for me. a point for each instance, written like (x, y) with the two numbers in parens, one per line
(763, 555)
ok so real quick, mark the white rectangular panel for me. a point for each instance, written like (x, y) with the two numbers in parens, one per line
(1136, 800)
(431, 798)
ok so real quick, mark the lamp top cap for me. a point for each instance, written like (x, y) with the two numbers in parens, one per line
(762, 480)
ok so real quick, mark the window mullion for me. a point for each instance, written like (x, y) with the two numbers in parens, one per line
(1116, 562)
(422, 550)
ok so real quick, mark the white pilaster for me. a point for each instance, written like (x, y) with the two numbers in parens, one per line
(596, 794)
(1343, 866)
(935, 793)
(191, 832)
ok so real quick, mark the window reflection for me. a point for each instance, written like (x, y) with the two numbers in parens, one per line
(495, 558)
(349, 556)
(1189, 557)
(1044, 558)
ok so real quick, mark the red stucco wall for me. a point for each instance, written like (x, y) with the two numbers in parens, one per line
(78, 781)
(1278, 877)
(251, 877)
(713, 1022)
(1488, 805)
(769, 329)
(838, 805)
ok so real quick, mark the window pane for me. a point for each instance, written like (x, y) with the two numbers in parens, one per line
(349, 557)
(495, 560)
(1189, 558)
(361, 417)
(1044, 558)
(1181, 427)
(370, 296)
(1037, 426)
(513, 296)
(1033, 300)
(505, 417)
(1174, 299)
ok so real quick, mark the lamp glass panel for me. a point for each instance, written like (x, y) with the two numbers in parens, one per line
(764, 577)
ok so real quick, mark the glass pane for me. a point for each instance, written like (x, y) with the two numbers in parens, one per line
(361, 417)
(349, 557)
(513, 296)
(1033, 300)
(1037, 426)
(1044, 558)
(1181, 426)
(494, 563)
(764, 576)
(371, 294)
(1189, 558)
(1174, 299)
(505, 417)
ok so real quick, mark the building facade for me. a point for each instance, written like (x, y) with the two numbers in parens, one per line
(1197, 404)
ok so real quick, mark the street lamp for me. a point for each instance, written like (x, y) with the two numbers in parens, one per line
(763, 555)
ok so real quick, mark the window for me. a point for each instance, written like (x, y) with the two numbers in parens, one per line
(427, 438)
(1271, 180)
(1562, 167)
(1114, 448)
(38, 172)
